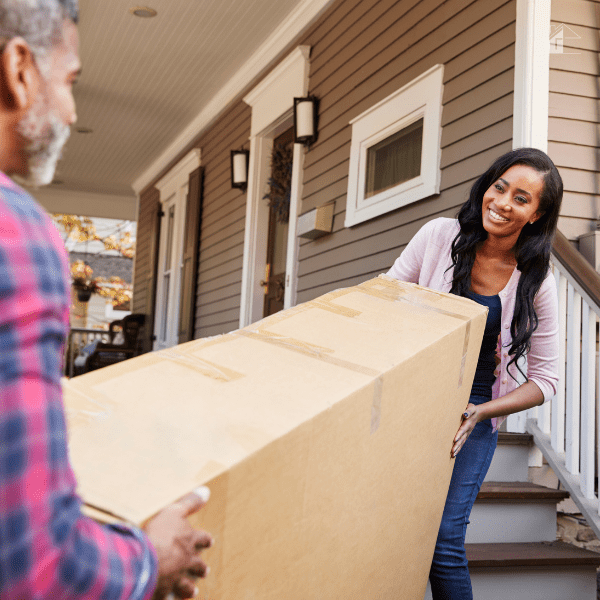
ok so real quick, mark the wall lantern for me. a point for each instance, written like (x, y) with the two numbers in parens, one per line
(239, 169)
(306, 117)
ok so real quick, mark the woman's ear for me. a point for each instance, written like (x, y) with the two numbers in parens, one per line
(20, 76)
(536, 216)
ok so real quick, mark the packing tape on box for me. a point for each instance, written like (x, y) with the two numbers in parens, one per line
(318, 352)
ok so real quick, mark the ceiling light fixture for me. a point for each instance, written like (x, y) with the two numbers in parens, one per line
(84, 130)
(143, 11)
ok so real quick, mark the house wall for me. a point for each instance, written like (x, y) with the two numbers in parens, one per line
(361, 53)
(574, 114)
(149, 205)
(219, 283)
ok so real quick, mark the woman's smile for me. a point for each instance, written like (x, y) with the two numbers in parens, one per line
(496, 217)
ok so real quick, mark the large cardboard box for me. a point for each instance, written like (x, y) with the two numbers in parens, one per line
(324, 433)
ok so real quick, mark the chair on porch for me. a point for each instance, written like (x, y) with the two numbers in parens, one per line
(124, 343)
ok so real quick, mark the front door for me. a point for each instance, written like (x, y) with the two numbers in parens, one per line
(169, 270)
(279, 203)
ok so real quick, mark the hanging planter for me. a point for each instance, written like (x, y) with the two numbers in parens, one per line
(280, 182)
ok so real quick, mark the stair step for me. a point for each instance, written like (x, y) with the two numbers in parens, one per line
(519, 490)
(536, 571)
(514, 512)
(515, 439)
(535, 554)
(511, 459)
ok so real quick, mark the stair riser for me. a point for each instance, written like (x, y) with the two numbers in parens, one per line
(510, 463)
(551, 583)
(502, 522)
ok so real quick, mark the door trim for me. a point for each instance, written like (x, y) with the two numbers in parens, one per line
(272, 103)
(171, 185)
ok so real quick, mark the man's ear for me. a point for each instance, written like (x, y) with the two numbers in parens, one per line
(20, 75)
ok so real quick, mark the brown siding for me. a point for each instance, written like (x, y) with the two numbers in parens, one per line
(574, 115)
(362, 53)
(223, 221)
(143, 275)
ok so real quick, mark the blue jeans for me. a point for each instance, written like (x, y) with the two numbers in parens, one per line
(449, 574)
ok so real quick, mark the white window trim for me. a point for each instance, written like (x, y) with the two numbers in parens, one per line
(171, 185)
(421, 98)
(532, 74)
(272, 103)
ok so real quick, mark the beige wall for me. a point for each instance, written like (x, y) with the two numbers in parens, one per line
(574, 115)
(362, 53)
(223, 223)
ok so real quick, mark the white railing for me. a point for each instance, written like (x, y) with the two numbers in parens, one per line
(566, 431)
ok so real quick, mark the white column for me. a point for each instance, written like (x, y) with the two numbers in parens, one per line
(532, 74)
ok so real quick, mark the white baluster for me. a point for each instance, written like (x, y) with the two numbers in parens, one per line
(558, 403)
(588, 400)
(573, 379)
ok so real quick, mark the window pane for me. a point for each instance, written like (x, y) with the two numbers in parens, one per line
(395, 159)
(169, 248)
(165, 308)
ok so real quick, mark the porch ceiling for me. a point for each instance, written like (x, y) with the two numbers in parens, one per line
(145, 80)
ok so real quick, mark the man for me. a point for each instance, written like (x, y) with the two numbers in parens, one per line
(47, 548)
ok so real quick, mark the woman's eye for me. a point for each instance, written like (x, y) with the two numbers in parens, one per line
(499, 187)
(521, 199)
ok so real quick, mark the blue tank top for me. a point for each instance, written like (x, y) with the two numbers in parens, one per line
(486, 365)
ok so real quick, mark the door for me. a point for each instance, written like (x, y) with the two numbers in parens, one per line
(168, 289)
(279, 202)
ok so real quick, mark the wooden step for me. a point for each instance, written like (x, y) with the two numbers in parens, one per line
(534, 571)
(523, 491)
(514, 512)
(511, 459)
(515, 439)
(536, 554)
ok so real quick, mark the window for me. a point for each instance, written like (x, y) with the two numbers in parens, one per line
(395, 151)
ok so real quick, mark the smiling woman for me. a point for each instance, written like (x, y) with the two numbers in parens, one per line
(497, 253)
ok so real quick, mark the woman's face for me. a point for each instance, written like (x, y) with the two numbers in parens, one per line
(512, 201)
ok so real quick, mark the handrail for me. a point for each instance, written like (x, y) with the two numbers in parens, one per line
(564, 430)
(577, 266)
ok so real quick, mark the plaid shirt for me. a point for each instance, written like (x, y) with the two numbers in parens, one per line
(48, 549)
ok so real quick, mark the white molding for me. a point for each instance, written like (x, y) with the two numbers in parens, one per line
(274, 95)
(173, 188)
(272, 102)
(296, 22)
(420, 98)
(255, 245)
(532, 74)
(180, 172)
(89, 204)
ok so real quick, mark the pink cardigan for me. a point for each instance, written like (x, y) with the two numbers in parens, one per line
(425, 260)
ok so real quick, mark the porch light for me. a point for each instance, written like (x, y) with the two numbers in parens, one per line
(239, 168)
(306, 116)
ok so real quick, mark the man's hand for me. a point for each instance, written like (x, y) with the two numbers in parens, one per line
(178, 546)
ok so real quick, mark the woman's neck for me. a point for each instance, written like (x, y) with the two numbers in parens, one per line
(501, 249)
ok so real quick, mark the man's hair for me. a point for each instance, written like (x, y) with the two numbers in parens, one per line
(39, 22)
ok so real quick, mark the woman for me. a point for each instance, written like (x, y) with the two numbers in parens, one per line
(497, 253)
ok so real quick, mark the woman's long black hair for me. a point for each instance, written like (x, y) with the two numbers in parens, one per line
(532, 249)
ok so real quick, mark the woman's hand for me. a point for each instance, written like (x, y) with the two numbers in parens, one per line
(470, 418)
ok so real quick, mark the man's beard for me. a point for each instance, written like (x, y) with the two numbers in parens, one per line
(45, 135)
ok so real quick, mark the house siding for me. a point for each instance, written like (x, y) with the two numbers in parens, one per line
(361, 52)
(574, 114)
(360, 55)
(219, 282)
(149, 205)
